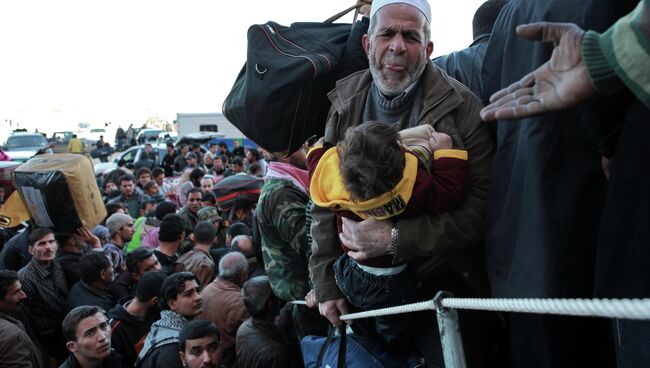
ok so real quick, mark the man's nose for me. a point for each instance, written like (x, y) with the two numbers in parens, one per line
(104, 334)
(397, 44)
(205, 356)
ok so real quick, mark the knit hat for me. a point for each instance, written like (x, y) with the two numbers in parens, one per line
(421, 5)
(149, 285)
(209, 213)
(101, 232)
(117, 221)
(191, 155)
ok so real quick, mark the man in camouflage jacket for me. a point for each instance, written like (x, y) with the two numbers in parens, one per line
(281, 216)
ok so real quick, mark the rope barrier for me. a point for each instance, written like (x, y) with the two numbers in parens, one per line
(399, 309)
(609, 308)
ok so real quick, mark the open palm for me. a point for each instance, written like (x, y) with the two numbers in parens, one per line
(560, 83)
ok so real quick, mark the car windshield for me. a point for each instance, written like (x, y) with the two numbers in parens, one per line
(97, 131)
(152, 133)
(27, 141)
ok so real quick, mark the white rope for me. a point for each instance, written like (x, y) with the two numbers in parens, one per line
(609, 308)
(399, 309)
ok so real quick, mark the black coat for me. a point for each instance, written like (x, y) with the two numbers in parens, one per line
(546, 196)
(84, 294)
(164, 356)
(547, 187)
(113, 361)
(127, 331)
(70, 264)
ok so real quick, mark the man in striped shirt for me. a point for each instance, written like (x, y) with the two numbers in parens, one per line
(43, 280)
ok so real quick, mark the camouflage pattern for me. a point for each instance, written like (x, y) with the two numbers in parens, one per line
(285, 250)
(281, 216)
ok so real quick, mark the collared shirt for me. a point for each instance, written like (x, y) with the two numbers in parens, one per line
(46, 290)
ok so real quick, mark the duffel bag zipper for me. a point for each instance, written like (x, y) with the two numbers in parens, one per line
(327, 60)
(271, 41)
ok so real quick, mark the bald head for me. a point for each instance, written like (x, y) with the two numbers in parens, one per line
(233, 267)
(244, 245)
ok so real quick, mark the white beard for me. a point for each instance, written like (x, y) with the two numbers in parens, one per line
(391, 83)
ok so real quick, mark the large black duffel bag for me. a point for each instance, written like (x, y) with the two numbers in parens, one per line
(279, 99)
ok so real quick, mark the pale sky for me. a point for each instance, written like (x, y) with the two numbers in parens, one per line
(63, 62)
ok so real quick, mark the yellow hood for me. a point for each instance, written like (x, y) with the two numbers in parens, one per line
(327, 189)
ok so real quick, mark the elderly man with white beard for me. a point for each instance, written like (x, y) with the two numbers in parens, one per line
(442, 251)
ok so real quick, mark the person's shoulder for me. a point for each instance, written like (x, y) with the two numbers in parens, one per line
(10, 330)
(350, 85)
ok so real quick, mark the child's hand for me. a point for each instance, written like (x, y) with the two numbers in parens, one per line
(440, 141)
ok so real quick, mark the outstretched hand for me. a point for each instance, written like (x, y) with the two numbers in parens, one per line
(561, 83)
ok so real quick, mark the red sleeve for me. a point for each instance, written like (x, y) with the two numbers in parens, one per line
(313, 157)
(445, 188)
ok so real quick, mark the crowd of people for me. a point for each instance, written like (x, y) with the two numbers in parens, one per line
(415, 188)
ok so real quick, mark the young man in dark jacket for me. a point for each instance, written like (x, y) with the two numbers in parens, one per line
(88, 336)
(131, 322)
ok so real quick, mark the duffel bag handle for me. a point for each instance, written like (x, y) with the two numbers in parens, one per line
(354, 7)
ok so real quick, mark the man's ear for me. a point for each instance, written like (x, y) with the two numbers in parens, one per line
(153, 301)
(429, 49)
(192, 237)
(182, 355)
(365, 41)
(72, 346)
(30, 250)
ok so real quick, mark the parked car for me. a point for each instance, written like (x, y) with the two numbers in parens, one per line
(132, 156)
(201, 138)
(59, 141)
(23, 146)
(148, 135)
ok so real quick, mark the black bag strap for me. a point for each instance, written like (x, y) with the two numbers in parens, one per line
(343, 344)
(354, 7)
(328, 342)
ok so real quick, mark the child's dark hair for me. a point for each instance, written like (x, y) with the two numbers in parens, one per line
(372, 160)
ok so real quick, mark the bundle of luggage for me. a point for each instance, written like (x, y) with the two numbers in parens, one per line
(238, 191)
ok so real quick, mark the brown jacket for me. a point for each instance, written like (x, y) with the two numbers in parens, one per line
(223, 305)
(261, 344)
(199, 263)
(16, 348)
(430, 241)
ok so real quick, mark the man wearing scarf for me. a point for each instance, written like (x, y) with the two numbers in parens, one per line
(281, 216)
